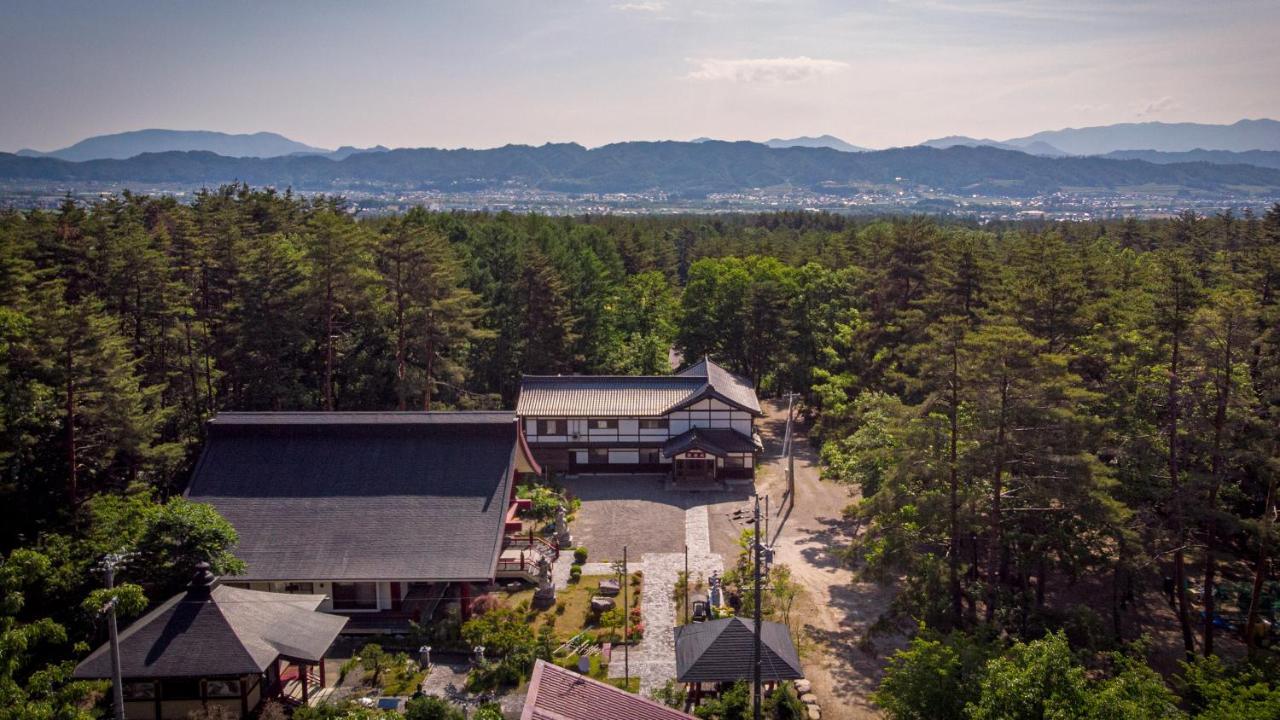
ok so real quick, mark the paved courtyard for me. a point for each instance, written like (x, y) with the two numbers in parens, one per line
(655, 524)
(636, 511)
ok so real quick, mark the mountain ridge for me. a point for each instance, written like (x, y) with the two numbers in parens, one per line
(680, 168)
(1037, 147)
(124, 145)
(827, 141)
(1257, 158)
(1240, 136)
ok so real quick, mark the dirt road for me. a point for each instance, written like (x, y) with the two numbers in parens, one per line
(834, 610)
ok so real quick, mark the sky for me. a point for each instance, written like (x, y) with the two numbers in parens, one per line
(876, 73)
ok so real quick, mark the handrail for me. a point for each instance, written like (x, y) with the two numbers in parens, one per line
(531, 541)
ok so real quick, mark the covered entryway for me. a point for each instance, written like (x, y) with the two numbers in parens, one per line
(710, 455)
(693, 466)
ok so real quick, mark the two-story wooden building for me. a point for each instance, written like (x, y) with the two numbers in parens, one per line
(696, 425)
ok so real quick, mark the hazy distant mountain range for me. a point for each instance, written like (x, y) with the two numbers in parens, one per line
(1039, 147)
(806, 141)
(1165, 137)
(826, 141)
(120, 146)
(686, 169)
(1261, 158)
(1241, 136)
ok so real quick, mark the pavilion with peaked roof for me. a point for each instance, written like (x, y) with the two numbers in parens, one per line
(717, 652)
(216, 645)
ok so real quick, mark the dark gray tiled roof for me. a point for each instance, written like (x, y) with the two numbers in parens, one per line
(361, 496)
(722, 650)
(734, 388)
(559, 694)
(717, 441)
(219, 631)
(631, 395)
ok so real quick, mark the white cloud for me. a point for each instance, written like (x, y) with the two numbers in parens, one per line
(652, 6)
(764, 70)
(1159, 107)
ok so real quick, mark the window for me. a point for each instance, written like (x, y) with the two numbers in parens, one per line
(598, 455)
(653, 424)
(139, 691)
(553, 427)
(355, 596)
(305, 588)
(222, 688)
(733, 461)
(180, 689)
(650, 456)
(603, 424)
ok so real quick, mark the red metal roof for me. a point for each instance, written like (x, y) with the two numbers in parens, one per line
(559, 694)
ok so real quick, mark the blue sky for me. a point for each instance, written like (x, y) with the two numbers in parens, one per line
(482, 73)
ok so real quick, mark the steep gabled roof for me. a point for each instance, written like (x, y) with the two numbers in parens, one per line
(722, 651)
(219, 630)
(735, 389)
(717, 441)
(559, 694)
(363, 496)
(632, 395)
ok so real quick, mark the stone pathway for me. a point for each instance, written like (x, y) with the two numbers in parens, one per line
(653, 659)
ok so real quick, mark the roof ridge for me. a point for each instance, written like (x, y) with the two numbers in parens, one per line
(235, 631)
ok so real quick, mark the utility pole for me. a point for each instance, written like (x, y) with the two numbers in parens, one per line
(788, 447)
(756, 696)
(686, 584)
(109, 563)
(626, 625)
(766, 521)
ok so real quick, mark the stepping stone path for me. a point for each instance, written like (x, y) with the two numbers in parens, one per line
(653, 659)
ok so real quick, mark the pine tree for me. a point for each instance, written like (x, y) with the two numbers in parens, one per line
(108, 420)
(1220, 336)
(1177, 294)
(433, 318)
(543, 329)
(266, 362)
(339, 278)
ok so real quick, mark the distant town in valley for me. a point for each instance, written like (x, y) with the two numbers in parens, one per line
(1129, 170)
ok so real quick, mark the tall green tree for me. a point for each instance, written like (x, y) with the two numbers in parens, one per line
(433, 318)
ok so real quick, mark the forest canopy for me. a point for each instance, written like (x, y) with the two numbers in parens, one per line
(1047, 424)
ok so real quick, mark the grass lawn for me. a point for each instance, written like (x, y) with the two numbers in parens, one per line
(600, 672)
(576, 603)
(401, 676)
(403, 680)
